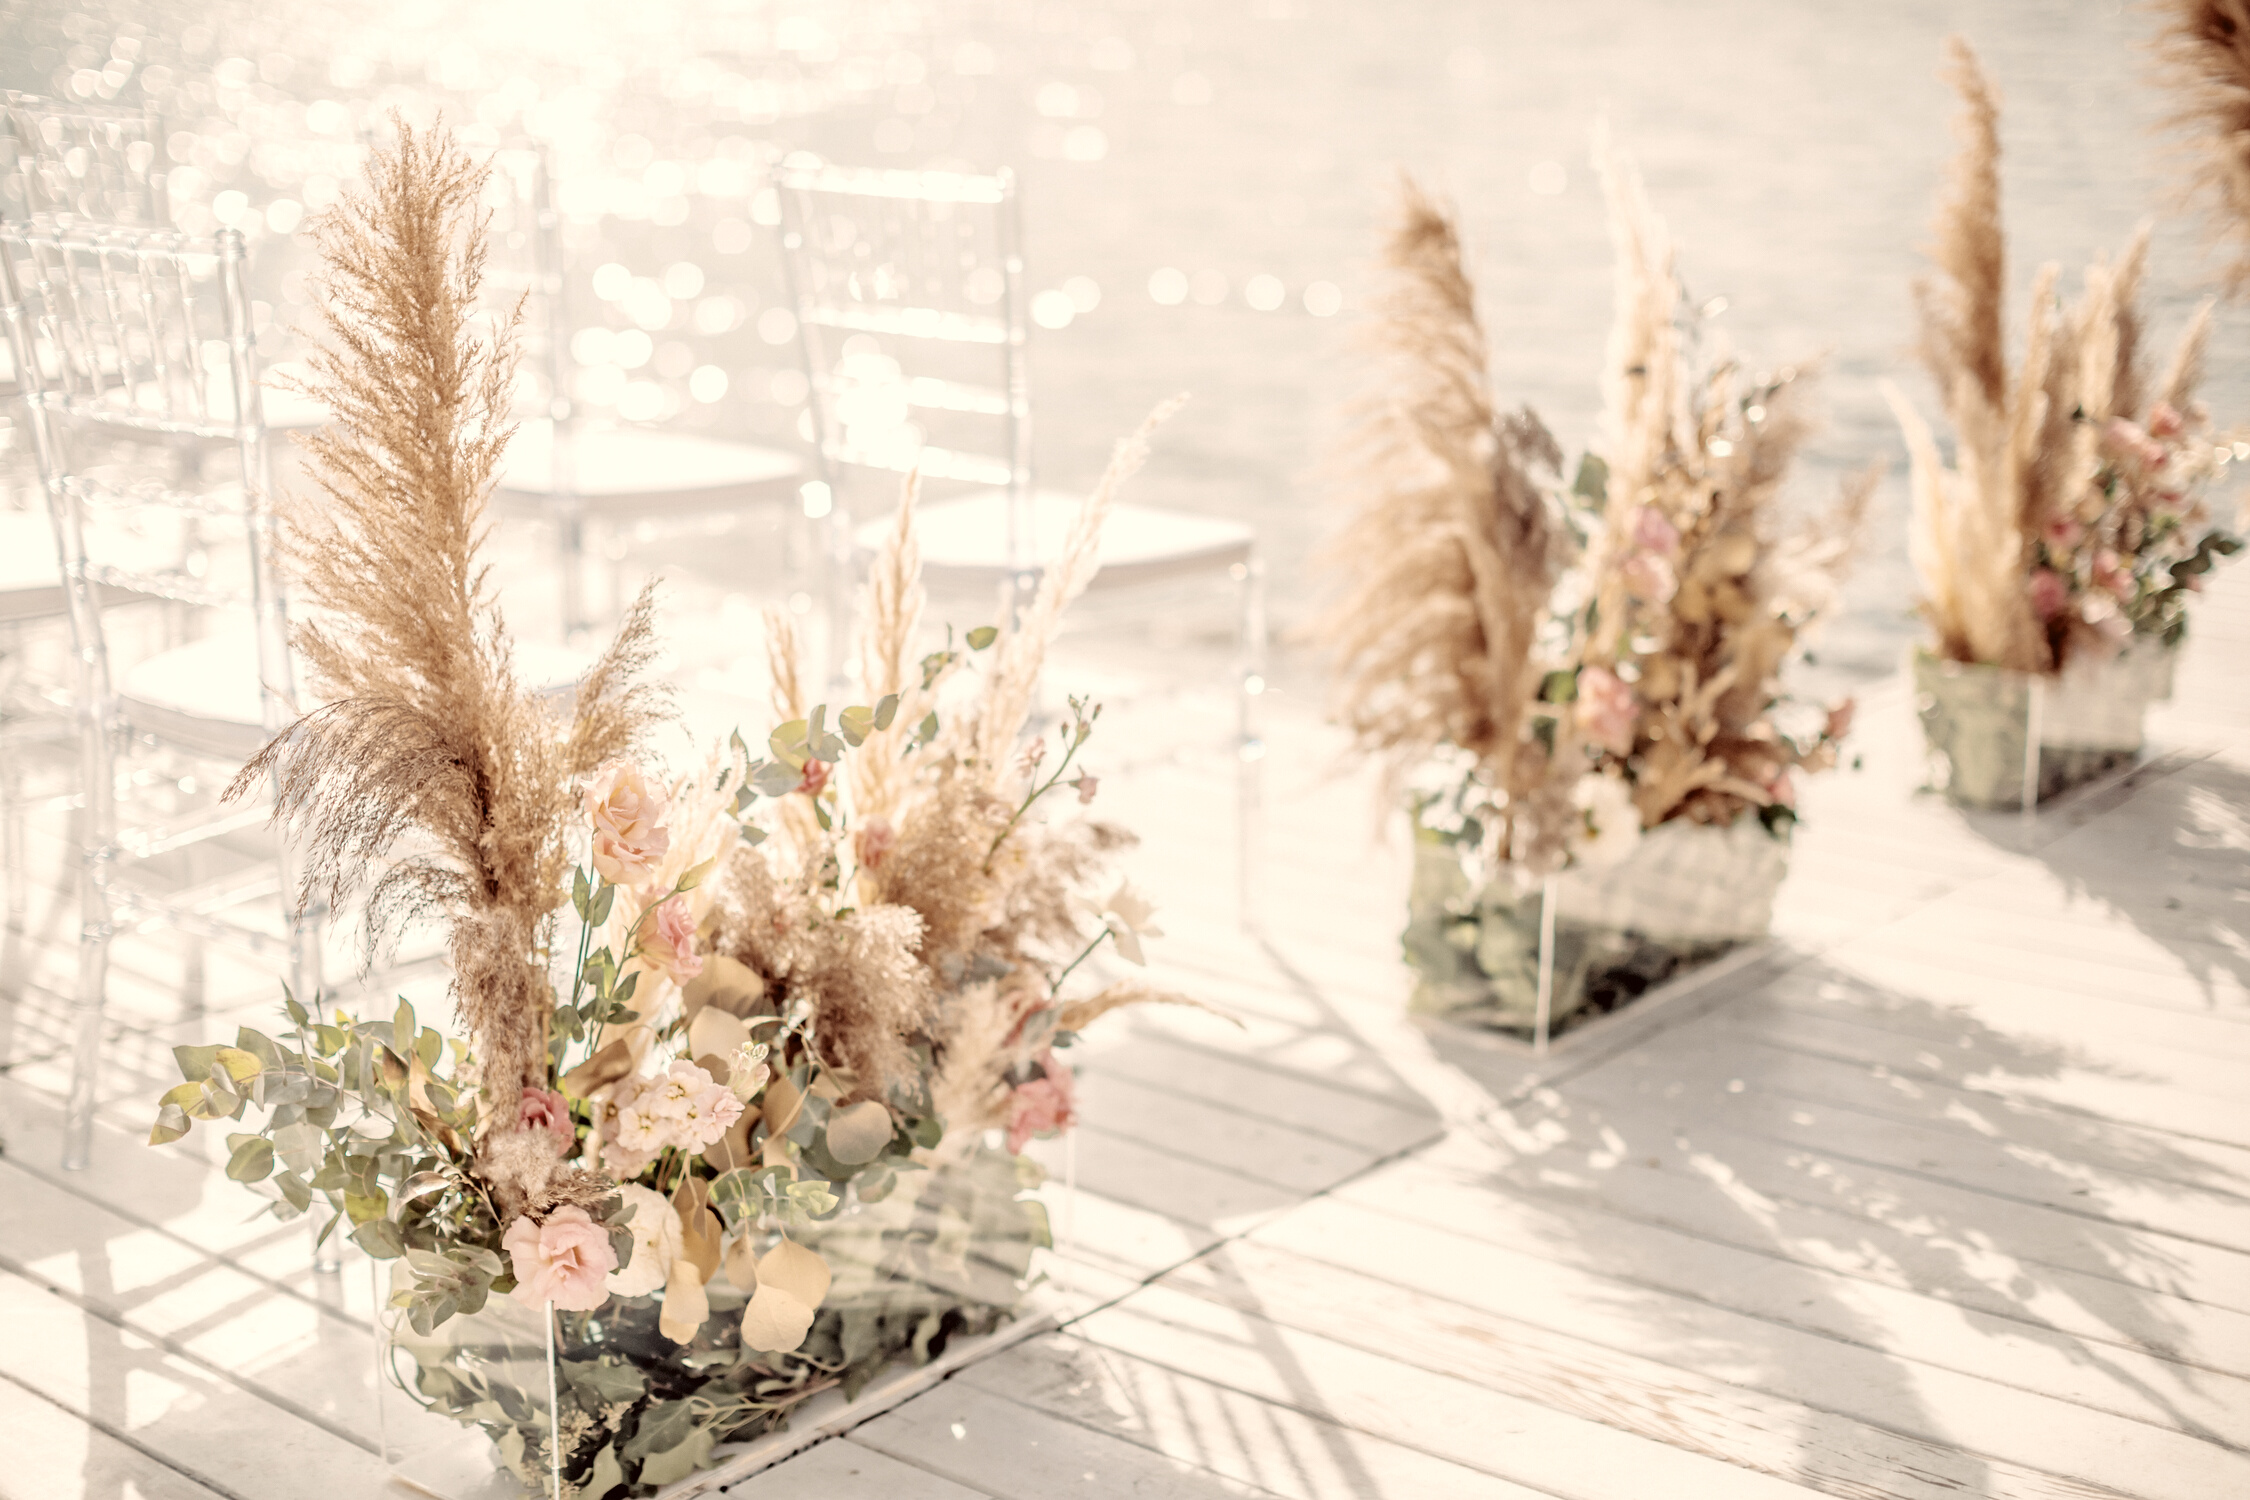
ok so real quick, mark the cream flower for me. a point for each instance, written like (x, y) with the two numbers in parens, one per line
(1609, 823)
(657, 1242)
(1127, 916)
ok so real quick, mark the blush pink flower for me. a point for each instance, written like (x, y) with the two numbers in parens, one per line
(566, 1260)
(874, 840)
(1607, 710)
(627, 812)
(2050, 596)
(814, 781)
(705, 1118)
(667, 943)
(2111, 573)
(544, 1109)
(1652, 532)
(1042, 1105)
(2164, 420)
(1781, 787)
(1839, 721)
(2064, 533)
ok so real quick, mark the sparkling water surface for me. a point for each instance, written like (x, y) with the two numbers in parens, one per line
(1203, 186)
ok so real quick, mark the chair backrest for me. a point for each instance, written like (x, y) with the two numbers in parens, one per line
(123, 335)
(896, 273)
(86, 162)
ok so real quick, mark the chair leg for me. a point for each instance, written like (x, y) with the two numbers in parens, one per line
(1250, 748)
(97, 835)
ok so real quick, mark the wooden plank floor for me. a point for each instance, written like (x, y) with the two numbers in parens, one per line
(1947, 1193)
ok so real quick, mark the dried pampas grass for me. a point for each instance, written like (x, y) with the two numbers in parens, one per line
(425, 727)
(1968, 539)
(1453, 544)
(2203, 66)
(2027, 465)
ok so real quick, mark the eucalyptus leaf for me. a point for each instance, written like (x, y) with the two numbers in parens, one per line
(171, 1123)
(251, 1159)
(983, 636)
(379, 1238)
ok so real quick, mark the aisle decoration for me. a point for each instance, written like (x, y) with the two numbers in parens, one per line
(2058, 553)
(1578, 686)
(750, 1055)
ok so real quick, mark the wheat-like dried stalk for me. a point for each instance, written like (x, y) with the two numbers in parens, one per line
(425, 727)
(1968, 537)
(1451, 547)
(1644, 398)
(891, 613)
(2203, 64)
(1021, 650)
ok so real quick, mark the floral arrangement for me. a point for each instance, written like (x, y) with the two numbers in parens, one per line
(1593, 660)
(1555, 669)
(2075, 520)
(745, 1123)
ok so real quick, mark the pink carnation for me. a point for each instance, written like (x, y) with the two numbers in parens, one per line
(544, 1109)
(1042, 1105)
(628, 815)
(1652, 532)
(667, 942)
(566, 1260)
(1607, 709)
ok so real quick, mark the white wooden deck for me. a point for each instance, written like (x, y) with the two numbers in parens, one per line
(1945, 1194)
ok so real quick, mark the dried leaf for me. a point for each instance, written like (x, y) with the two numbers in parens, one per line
(685, 1303)
(858, 1135)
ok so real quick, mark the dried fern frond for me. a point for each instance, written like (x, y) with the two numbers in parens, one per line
(426, 727)
(2203, 65)
(1452, 546)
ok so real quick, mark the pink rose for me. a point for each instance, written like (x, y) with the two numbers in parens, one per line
(2050, 596)
(1607, 709)
(2111, 573)
(874, 841)
(628, 815)
(544, 1109)
(1042, 1105)
(2165, 421)
(1649, 578)
(566, 1260)
(667, 942)
(2064, 533)
(1652, 532)
(815, 779)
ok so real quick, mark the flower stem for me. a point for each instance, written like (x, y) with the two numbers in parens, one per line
(1083, 954)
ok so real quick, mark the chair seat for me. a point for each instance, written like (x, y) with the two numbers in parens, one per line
(206, 695)
(31, 585)
(285, 410)
(621, 472)
(970, 534)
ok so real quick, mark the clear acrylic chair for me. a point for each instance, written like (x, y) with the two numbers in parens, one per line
(583, 476)
(118, 335)
(84, 162)
(910, 303)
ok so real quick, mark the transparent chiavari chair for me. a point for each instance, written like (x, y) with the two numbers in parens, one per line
(910, 308)
(587, 478)
(118, 335)
(84, 162)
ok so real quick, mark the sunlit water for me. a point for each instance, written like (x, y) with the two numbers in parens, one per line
(1202, 187)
